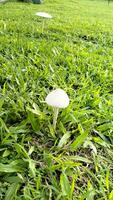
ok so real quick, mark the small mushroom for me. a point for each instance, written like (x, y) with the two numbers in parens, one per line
(57, 99)
(44, 15)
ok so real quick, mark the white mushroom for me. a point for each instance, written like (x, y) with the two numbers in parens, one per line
(44, 14)
(57, 99)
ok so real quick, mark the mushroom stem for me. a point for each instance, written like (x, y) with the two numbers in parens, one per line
(55, 116)
(43, 23)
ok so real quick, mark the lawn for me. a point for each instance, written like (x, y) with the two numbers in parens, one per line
(72, 51)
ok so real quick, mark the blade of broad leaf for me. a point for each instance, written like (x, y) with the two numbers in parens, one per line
(31, 150)
(107, 179)
(9, 168)
(64, 140)
(79, 158)
(79, 140)
(38, 182)
(100, 141)
(11, 192)
(33, 121)
(18, 129)
(72, 187)
(65, 164)
(90, 195)
(51, 129)
(27, 192)
(12, 179)
(32, 167)
(21, 150)
(3, 125)
(62, 128)
(111, 195)
(65, 185)
(1, 103)
(91, 192)
(6, 153)
(34, 111)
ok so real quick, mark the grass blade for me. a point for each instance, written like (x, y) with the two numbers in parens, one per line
(80, 139)
(11, 192)
(63, 140)
(65, 185)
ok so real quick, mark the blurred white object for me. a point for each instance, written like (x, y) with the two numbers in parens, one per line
(57, 98)
(44, 14)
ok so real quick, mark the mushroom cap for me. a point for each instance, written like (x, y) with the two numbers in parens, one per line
(44, 14)
(57, 98)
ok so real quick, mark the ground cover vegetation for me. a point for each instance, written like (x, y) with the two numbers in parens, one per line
(72, 51)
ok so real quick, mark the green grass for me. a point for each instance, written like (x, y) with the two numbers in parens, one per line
(72, 51)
